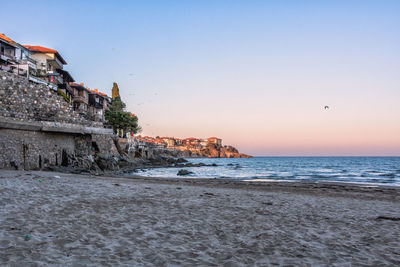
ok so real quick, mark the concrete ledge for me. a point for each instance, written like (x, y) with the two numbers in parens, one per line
(17, 125)
(94, 130)
(46, 126)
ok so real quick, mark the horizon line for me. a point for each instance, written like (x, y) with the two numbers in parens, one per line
(304, 156)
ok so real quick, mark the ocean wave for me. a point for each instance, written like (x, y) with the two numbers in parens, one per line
(371, 170)
(391, 175)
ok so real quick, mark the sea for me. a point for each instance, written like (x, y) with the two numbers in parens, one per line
(365, 170)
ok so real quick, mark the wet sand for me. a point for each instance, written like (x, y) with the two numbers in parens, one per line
(79, 220)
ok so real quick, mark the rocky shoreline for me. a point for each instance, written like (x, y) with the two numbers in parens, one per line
(103, 164)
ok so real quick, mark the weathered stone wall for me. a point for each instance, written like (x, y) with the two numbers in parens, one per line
(21, 149)
(39, 129)
(33, 149)
(104, 143)
(25, 101)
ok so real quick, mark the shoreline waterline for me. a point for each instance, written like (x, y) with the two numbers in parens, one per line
(363, 170)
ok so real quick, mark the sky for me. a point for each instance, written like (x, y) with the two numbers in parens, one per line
(255, 73)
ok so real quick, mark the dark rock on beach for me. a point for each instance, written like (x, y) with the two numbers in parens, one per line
(184, 172)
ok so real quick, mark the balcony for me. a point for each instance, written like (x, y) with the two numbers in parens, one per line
(14, 69)
(56, 62)
(7, 57)
(79, 99)
(67, 87)
(54, 77)
(31, 62)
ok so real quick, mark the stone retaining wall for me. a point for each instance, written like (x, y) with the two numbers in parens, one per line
(33, 149)
(39, 129)
(22, 149)
(22, 100)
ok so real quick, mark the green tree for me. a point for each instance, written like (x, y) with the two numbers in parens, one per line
(115, 91)
(117, 104)
(118, 118)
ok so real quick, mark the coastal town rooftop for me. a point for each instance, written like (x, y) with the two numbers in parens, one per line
(41, 49)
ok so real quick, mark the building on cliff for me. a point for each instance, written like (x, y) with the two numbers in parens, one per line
(214, 140)
(38, 128)
(80, 98)
(49, 64)
(98, 103)
(65, 87)
(45, 66)
(191, 141)
(169, 141)
(15, 58)
(40, 64)
(189, 147)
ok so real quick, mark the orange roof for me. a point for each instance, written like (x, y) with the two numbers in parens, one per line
(213, 138)
(37, 48)
(5, 38)
(41, 49)
(95, 91)
(190, 139)
(78, 86)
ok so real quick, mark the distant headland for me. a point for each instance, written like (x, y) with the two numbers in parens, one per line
(195, 147)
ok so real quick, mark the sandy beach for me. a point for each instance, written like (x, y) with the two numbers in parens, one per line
(78, 220)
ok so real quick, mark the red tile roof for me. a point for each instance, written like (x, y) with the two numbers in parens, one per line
(95, 91)
(78, 86)
(5, 38)
(41, 49)
(190, 138)
(37, 48)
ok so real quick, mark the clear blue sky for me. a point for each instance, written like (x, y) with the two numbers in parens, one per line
(255, 73)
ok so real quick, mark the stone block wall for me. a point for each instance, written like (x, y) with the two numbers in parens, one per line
(39, 129)
(33, 149)
(26, 101)
(103, 144)
(27, 150)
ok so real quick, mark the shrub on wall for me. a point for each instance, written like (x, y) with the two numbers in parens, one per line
(61, 93)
